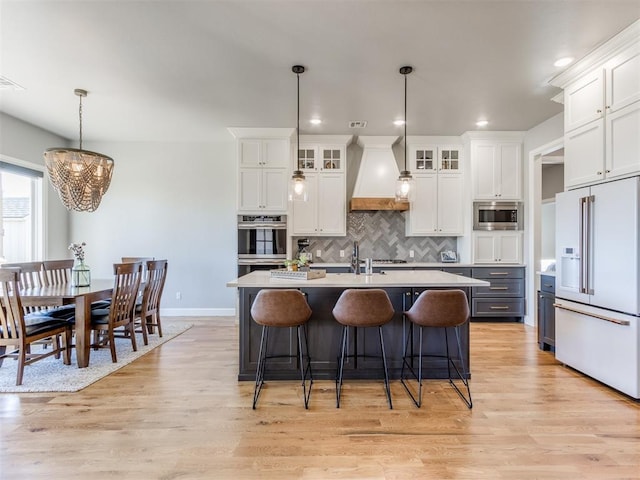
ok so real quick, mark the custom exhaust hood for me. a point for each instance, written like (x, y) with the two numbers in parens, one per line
(376, 181)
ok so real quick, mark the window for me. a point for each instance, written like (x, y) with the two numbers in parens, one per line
(21, 207)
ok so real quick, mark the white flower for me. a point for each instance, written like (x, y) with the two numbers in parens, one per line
(78, 250)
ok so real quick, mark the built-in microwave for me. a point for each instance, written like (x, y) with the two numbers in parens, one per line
(498, 216)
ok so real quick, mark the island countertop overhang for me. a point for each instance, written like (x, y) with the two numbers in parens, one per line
(389, 279)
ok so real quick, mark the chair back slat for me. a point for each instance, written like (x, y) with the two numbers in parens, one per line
(125, 291)
(11, 311)
(57, 272)
(156, 276)
(142, 260)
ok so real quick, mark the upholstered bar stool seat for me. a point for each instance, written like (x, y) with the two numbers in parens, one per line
(361, 309)
(437, 309)
(286, 308)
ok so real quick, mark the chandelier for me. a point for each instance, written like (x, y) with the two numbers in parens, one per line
(80, 177)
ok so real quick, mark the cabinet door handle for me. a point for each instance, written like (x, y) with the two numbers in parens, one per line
(599, 173)
(498, 288)
(498, 273)
(598, 111)
(499, 307)
(607, 171)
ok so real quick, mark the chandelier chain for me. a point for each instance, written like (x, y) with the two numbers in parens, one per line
(80, 118)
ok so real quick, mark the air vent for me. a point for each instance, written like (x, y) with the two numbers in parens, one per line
(358, 124)
(6, 84)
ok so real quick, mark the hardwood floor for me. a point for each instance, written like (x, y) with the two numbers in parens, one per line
(179, 413)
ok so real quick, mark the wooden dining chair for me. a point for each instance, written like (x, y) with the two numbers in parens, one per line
(120, 313)
(20, 333)
(57, 272)
(148, 312)
(30, 276)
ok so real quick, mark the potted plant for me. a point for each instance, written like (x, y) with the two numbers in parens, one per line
(292, 265)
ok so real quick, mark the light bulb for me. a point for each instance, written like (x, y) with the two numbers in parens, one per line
(298, 187)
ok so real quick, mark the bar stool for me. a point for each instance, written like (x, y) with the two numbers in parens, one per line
(359, 309)
(437, 309)
(281, 308)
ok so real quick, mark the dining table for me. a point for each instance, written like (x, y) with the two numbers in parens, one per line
(82, 298)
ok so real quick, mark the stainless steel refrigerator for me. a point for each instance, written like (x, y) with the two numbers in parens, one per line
(597, 281)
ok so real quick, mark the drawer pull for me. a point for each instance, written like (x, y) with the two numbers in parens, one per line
(498, 273)
(499, 307)
(594, 315)
(548, 285)
(498, 288)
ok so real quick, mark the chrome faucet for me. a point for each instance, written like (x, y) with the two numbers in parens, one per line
(355, 258)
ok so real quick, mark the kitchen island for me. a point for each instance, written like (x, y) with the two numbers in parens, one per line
(325, 333)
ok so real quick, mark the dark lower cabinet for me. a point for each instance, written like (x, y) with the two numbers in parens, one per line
(546, 313)
(325, 336)
(503, 299)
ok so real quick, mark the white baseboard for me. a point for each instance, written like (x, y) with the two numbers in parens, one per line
(198, 312)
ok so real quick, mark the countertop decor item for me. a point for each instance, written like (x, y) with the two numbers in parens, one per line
(80, 177)
(80, 272)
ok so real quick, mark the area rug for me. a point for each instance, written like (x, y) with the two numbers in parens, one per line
(51, 375)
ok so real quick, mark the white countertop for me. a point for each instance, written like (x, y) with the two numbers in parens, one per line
(401, 278)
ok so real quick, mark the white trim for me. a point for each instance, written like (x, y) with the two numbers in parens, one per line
(239, 132)
(23, 163)
(198, 312)
(598, 55)
(532, 219)
(327, 139)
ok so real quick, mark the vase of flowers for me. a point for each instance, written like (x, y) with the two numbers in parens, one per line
(80, 272)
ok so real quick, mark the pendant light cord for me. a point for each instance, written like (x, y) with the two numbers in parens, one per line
(298, 126)
(80, 118)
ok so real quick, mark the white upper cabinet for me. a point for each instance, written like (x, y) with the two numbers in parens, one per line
(496, 168)
(322, 158)
(437, 204)
(258, 153)
(602, 112)
(263, 169)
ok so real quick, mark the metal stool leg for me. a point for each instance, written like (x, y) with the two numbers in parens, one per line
(417, 400)
(462, 376)
(386, 373)
(303, 370)
(341, 366)
(260, 367)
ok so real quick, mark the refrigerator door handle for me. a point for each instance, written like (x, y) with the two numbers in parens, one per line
(583, 251)
(594, 315)
(588, 254)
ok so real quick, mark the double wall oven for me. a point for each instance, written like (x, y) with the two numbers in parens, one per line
(262, 242)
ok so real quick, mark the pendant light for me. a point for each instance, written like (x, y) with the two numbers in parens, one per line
(80, 177)
(404, 185)
(298, 189)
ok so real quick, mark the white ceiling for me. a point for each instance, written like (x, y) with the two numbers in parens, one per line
(185, 70)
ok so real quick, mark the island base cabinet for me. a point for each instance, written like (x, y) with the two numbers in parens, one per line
(325, 335)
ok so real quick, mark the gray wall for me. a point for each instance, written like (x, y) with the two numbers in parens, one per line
(175, 201)
(26, 143)
(552, 180)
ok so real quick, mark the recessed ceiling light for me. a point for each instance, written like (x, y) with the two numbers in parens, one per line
(398, 122)
(563, 62)
(315, 121)
(482, 123)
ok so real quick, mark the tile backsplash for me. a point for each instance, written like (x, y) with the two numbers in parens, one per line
(381, 235)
